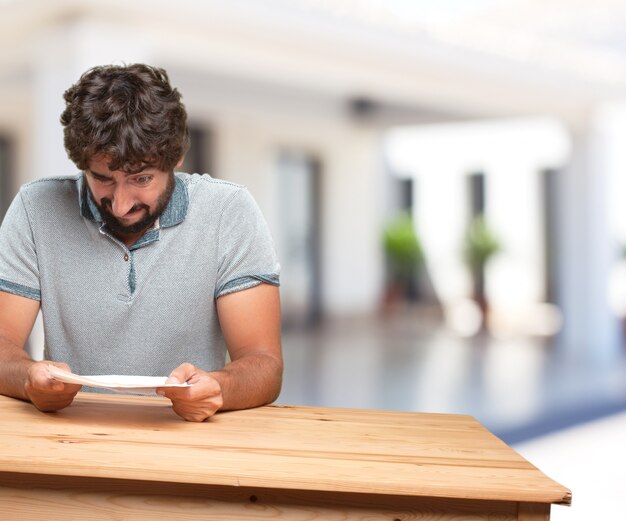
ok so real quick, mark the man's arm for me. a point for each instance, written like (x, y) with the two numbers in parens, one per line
(250, 322)
(20, 376)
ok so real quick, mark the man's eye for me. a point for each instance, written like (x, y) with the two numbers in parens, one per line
(143, 180)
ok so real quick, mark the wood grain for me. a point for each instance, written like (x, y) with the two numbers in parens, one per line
(298, 449)
(27, 497)
(533, 512)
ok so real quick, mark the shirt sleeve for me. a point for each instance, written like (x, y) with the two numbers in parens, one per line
(19, 272)
(247, 256)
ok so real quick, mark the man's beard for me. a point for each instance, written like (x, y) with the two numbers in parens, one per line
(146, 222)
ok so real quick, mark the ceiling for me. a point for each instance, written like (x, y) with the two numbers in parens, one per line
(466, 58)
(584, 38)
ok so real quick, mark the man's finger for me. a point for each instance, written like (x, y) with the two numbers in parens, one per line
(182, 373)
(43, 381)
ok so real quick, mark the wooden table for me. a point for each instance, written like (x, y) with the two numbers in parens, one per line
(130, 458)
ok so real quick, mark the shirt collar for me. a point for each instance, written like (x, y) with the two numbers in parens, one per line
(174, 213)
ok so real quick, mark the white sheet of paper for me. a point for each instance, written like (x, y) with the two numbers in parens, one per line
(115, 382)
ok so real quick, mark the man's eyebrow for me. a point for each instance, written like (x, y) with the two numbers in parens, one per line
(127, 174)
(97, 174)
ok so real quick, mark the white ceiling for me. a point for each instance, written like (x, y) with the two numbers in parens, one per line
(584, 38)
(478, 58)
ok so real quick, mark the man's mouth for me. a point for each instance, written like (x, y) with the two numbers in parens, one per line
(130, 214)
(133, 214)
(135, 210)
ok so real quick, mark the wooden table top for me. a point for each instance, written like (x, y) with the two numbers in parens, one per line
(296, 448)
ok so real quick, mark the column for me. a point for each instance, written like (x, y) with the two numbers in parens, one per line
(585, 251)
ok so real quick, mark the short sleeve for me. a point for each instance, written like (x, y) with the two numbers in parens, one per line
(246, 251)
(19, 272)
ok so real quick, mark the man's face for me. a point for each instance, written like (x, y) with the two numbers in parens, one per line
(129, 203)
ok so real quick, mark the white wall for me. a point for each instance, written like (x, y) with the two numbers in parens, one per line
(511, 154)
(252, 125)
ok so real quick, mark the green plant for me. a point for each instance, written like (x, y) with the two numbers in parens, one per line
(480, 244)
(402, 247)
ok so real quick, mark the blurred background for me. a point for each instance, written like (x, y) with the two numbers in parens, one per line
(444, 181)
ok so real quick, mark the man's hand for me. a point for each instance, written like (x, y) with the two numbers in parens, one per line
(250, 322)
(46, 393)
(199, 401)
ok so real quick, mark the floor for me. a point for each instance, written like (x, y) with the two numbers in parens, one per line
(408, 361)
(589, 459)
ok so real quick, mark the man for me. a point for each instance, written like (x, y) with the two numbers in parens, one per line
(138, 270)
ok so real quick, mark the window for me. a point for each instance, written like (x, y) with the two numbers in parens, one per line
(199, 158)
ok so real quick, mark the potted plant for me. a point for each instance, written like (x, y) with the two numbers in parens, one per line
(404, 257)
(480, 245)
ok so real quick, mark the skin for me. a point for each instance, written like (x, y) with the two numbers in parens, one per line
(250, 322)
(127, 198)
(20, 376)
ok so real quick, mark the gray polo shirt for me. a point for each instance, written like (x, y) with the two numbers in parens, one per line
(109, 309)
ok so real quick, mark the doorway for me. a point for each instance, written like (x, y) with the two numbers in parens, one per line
(298, 243)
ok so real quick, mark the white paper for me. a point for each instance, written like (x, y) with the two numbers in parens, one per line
(119, 383)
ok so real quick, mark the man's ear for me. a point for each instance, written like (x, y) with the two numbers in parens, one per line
(180, 162)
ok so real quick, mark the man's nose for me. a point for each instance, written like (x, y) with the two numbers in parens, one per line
(122, 201)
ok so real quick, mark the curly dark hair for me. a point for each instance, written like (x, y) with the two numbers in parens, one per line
(130, 113)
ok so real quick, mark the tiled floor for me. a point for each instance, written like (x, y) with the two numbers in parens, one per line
(519, 389)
